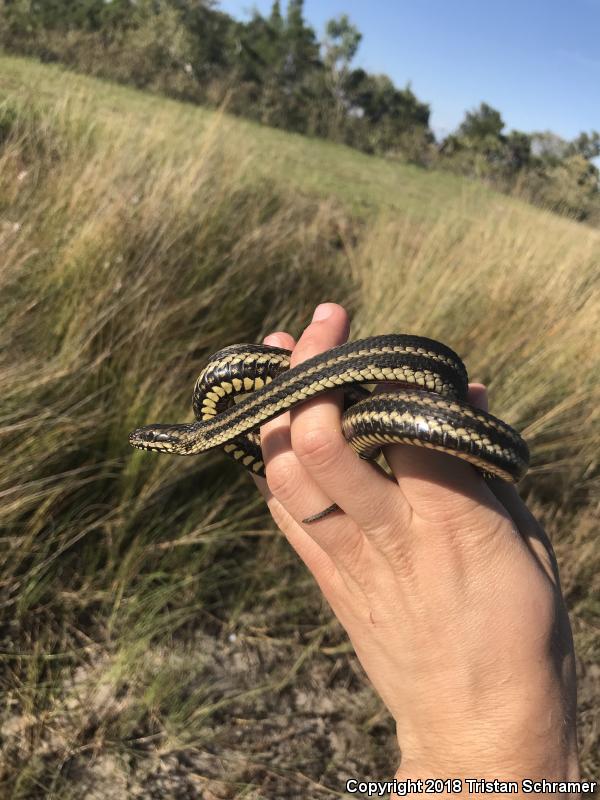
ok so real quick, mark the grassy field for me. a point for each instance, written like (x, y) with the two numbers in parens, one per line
(158, 638)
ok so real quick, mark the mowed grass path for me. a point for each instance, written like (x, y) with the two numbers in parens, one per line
(150, 613)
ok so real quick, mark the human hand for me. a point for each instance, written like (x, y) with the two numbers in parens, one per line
(445, 583)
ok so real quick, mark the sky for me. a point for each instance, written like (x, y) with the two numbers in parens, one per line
(536, 61)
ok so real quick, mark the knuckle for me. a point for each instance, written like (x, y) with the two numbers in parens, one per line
(449, 509)
(391, 519)
(404, 565)
(282, 476)
(317, 448)
(354, 556)
(309, 345)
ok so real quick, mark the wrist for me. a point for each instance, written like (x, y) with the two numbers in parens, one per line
(535, 743)
(518, 768)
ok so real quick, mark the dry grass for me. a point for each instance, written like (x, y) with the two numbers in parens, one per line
(148, 607)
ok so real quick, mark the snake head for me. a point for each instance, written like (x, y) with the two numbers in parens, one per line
(162, 438)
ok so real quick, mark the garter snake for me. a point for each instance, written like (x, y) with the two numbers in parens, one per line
(245, 385)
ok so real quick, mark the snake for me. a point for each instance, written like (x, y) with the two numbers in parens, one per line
(243, 386)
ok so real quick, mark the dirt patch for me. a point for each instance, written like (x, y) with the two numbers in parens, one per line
(265, 729)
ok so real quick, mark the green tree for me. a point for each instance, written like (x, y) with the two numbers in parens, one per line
(57, 14)
(586, 145)
(119, 15)
(518, 150)
(482, 122)
(341, 43)
(548, 148)
(571, 187)
(302, 48)
(273, 67)
(257, 69)
(276, 20)
(210, 33)
(384, 113)
(376, 97)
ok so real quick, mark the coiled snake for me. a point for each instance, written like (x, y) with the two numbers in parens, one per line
(245, 385)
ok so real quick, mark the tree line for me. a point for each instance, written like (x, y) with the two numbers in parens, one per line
(276, 71)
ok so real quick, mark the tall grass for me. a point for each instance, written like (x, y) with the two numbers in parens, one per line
(148, 606)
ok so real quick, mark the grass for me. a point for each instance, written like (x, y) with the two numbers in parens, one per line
(363, 183)
(156, 631)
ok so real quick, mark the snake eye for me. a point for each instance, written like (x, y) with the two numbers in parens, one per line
(153, 438)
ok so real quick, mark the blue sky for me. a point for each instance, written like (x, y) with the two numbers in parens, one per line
(536, 61)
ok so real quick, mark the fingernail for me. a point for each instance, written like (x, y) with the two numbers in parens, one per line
(322, 312)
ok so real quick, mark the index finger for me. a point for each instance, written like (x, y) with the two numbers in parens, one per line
(361, 489)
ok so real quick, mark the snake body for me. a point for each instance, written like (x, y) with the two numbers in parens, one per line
(245, 385)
